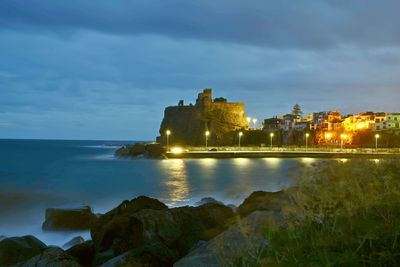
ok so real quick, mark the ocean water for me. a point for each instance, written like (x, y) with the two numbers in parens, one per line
(37, 174)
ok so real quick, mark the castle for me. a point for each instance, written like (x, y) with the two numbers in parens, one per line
(188, 123)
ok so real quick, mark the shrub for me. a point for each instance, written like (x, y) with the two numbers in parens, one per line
(342, 214)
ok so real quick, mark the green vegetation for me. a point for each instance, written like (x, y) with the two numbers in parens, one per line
(341, 214)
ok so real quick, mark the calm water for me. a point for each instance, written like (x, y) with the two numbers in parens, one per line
(36, 174)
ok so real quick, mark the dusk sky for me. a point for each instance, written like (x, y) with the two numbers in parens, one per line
(104, 69)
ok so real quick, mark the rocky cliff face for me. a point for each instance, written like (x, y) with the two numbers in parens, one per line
(188, 124)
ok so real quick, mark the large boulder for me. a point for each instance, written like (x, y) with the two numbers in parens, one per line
(84, 252)
(73, 242)
(54, 257)
(260, 200)
(69, 219)
(114, 225)
(151, 232)
(18, 249)
(152, 255)
(207, 200)
(243, 241)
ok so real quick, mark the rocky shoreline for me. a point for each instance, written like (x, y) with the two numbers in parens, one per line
(145, 232)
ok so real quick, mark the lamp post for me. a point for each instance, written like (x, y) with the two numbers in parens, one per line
(167, 132)
(307, 135)
(377, 136)
(207, 134)
(271, 135)
(240, 136)
(342, 137)
(254, 122)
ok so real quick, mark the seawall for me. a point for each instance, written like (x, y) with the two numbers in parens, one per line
(277, 154)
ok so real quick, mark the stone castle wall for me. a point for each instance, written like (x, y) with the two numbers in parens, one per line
(188, 124)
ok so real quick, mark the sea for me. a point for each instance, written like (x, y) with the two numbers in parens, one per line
(40, 174)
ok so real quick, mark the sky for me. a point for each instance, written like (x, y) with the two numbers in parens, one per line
(103, 69)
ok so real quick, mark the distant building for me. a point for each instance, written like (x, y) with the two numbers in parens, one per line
(272, 124)
(391, 122)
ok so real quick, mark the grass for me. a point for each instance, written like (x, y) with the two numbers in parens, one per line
(341, 214)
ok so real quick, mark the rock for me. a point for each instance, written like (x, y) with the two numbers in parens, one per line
(154, 150)
(84, 252)
(54, 257)
(114, 225)
(132, 150)
(247, 236)
(144, 221)
(189, 123)
(102, 257)
(207, 200)
(260, 200)
(18, 249)
(179, 228)
(152, 255)
(150, 150)
(69, 219)
(73, 242)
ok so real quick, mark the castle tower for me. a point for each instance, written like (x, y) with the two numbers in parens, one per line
(204, 98)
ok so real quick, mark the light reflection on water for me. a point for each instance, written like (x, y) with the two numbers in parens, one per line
(273, 163)
(176, 183)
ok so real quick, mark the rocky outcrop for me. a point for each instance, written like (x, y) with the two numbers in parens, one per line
(188, 124)
(145, 231)
(260, 200)
(69, 219)
(150, 150)
(246, 236)
(114, 227)
(54, 257)
(18, 249)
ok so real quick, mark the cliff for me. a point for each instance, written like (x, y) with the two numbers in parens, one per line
(188, 124)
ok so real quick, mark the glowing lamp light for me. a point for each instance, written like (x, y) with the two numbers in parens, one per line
(248, 119)
(240, 133)
(307, 135)
(377, 136)
(360, 125)
(343, 136)
(328, 135)
(177, 150)
(207, 133)
(271, 134)
(168, 132)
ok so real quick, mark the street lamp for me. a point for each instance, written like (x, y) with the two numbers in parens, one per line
(240, 136)
(248, 120)
(207, 134)
(271, 135)
(307, 136)
(167, 132)
(254, 122)
(342, 137)
(377, 136)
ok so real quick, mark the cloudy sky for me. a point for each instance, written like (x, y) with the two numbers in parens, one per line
(103, 69)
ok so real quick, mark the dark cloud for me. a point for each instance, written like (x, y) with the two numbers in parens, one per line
(286, 23)
(107, 69)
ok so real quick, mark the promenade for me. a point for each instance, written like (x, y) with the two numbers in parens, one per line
(254, 152)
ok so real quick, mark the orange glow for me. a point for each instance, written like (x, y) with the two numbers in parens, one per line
(361, 125)
(328, 136)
